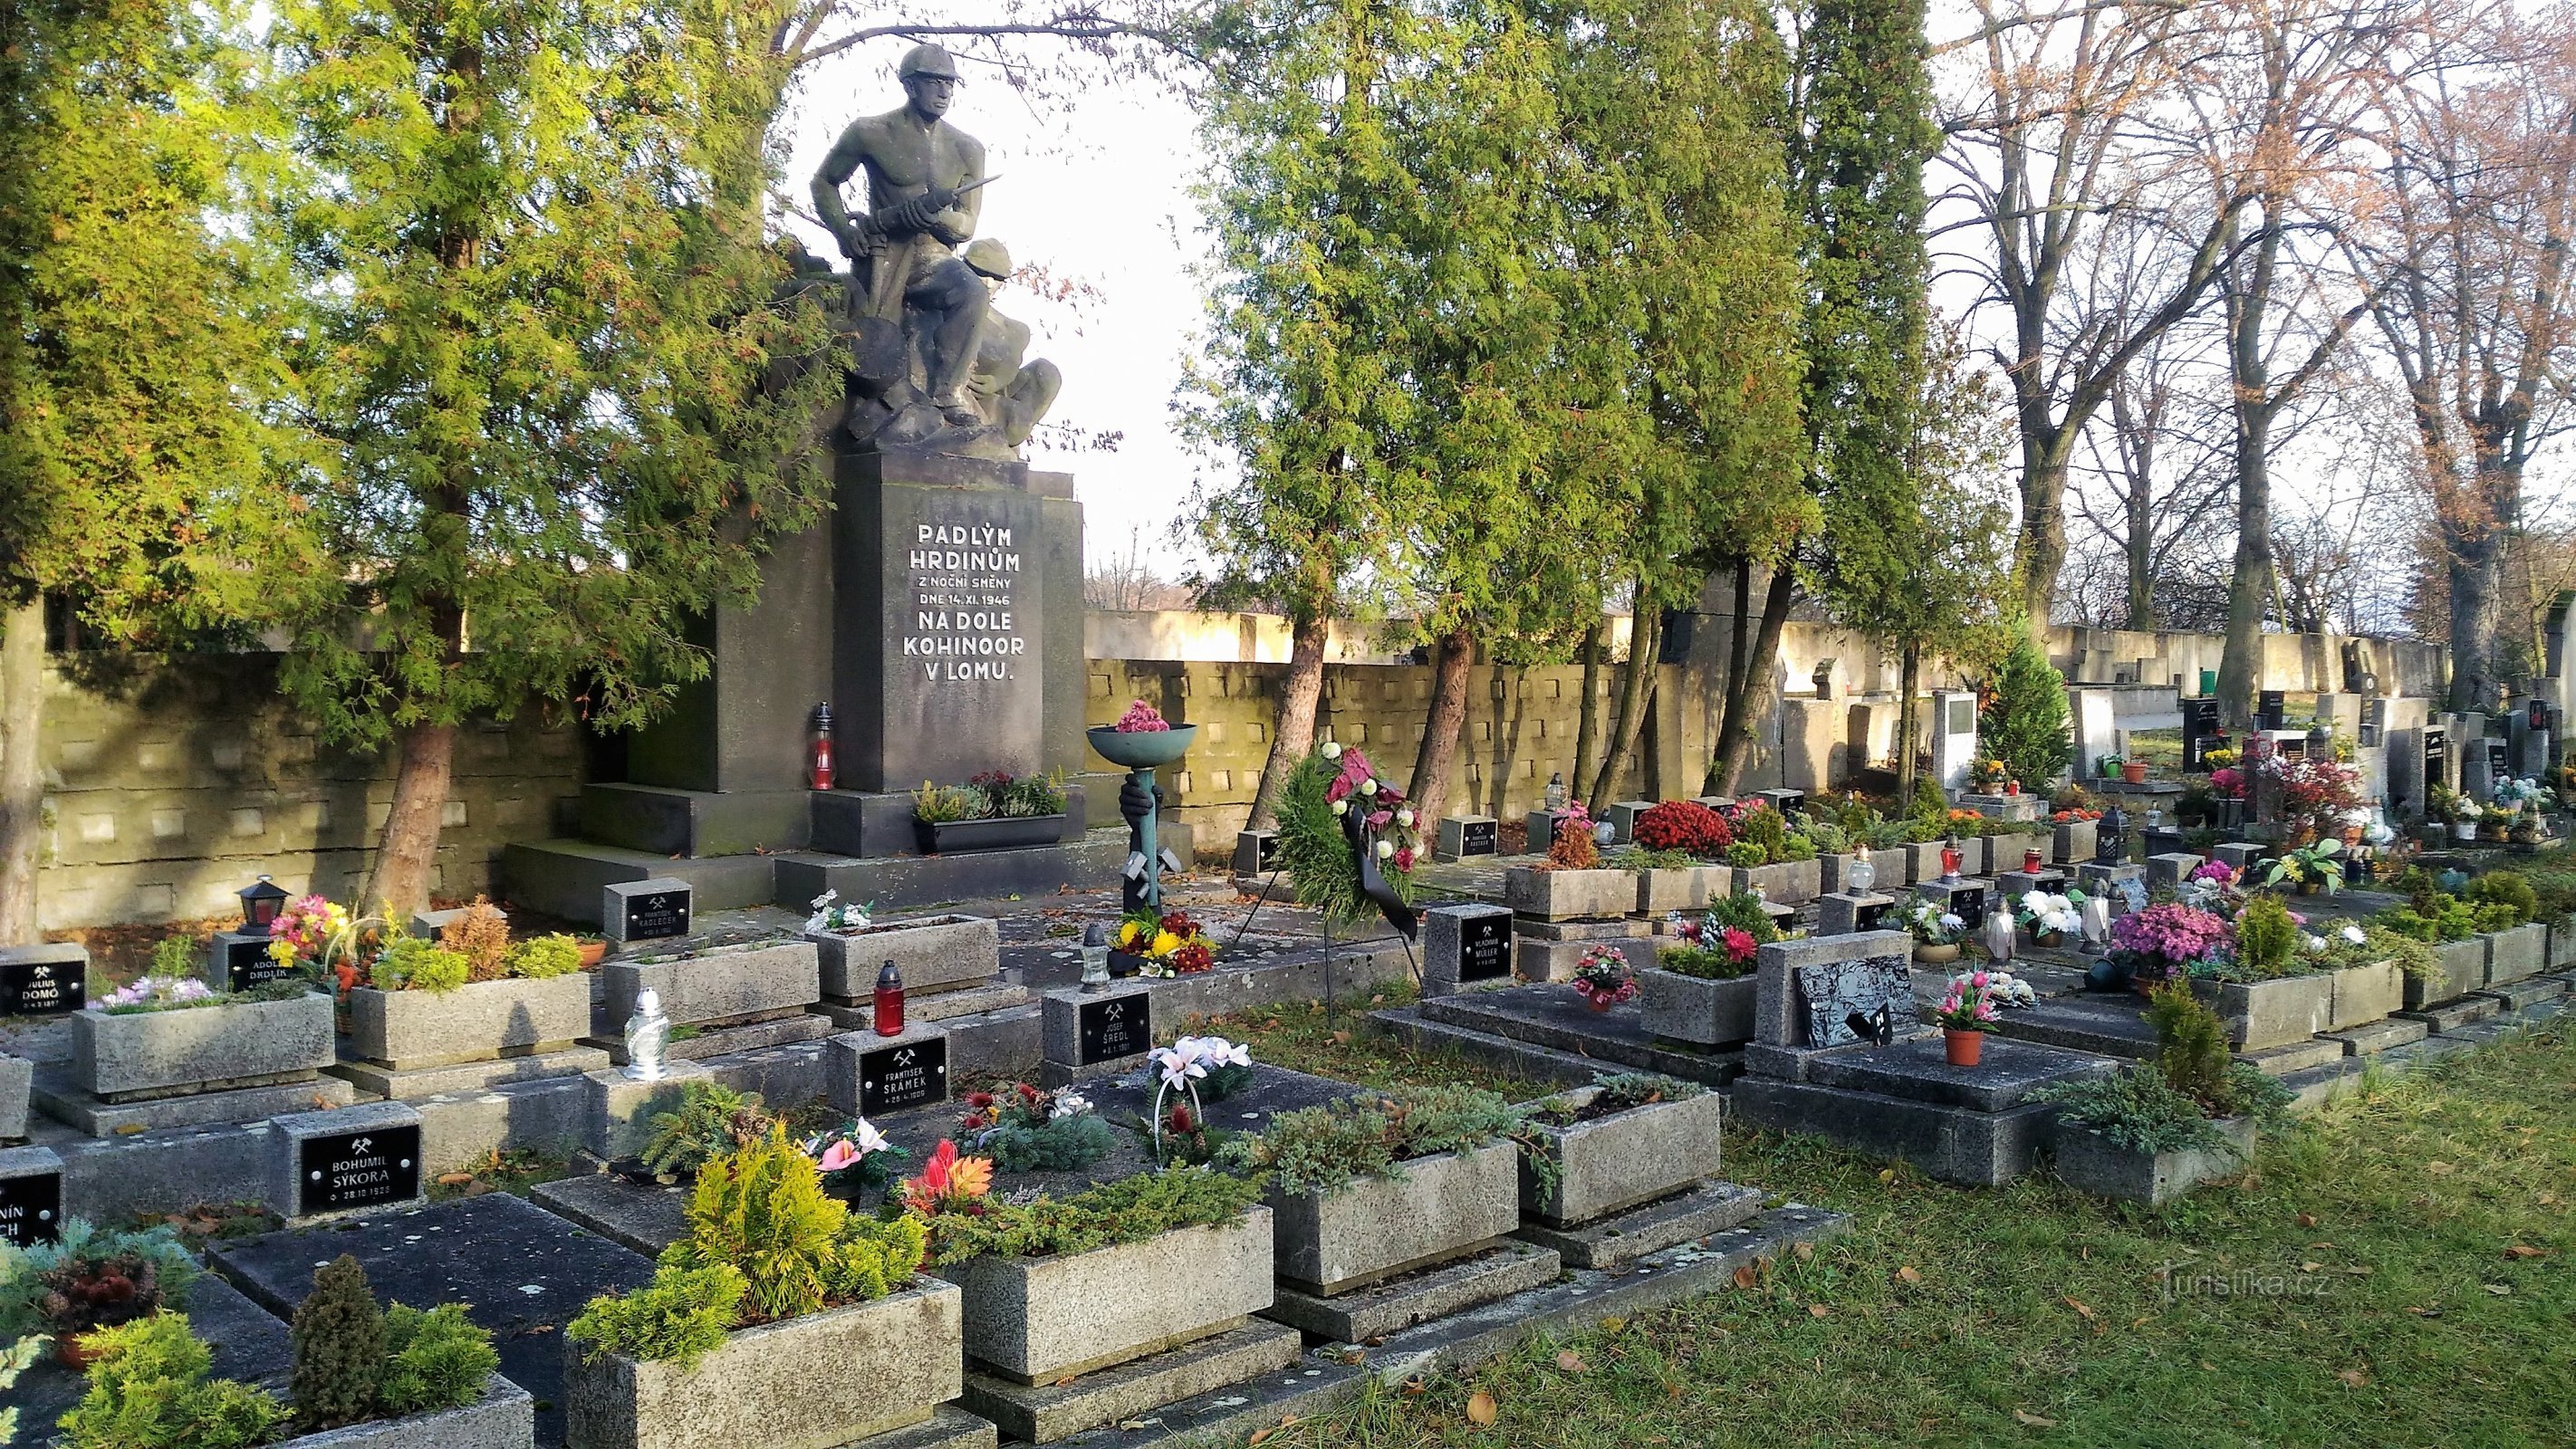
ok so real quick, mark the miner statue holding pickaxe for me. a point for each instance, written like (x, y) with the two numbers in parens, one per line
(925, 178)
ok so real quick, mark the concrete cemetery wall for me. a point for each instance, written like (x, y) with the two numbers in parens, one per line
(169, 789)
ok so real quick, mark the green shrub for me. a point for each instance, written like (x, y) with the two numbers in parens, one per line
(1621, 1092)
(37, 1282)
(1064, 1144)
(1744, 853)
(414, 963)
(1746, 914)
(172, 957)
(1823, 836)
(763, 1211)
(2024, 723)
(1129, 1210)
(541, 957)
(16, 1359)
(711, 1120)
(2191, 1043)
(947, 804)
(1798, 847)
(2508, 889)
(434, 1360)
(680, 1317)
(1324, 1149)
(1703, 963)
(148, 1390)
(1764, 827)
(339, 1344)
(2267, 940)
(1929, 804)
(2378, 945)
(2435, 919)
(2134, 1109)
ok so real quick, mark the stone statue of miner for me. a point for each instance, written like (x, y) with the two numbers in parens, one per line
(902, 249)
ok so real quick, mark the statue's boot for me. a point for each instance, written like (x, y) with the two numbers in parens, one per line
(954, 407)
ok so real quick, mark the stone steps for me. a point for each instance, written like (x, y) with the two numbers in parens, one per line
(1499, 1054)
(1552, 1016)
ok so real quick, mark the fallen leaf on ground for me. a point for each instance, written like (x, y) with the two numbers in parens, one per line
(1909, 1275)
(2501, 1290)
(2354, 1378)
(1745, 1277)
(454, 1179)
(1480, 1409)
(2360, 1270)
(1341, 1038)
(1806, 1252)
(2079, 1306)
(2311, 1267)
(1612, 1325)
(2525, 1250)
(1818, 1310)
(2033, 1420)
(2307, 1220)
(2438, 1168)
(1570, 1361)
(1260, 1434)
(1065, 1383)
(1887, 1174)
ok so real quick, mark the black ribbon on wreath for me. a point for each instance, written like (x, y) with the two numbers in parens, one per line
(1373, 882)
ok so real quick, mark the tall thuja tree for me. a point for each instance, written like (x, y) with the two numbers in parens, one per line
(1299, 389)
(1678, 350)
(1860, 131)
(137, 459)
(530, 237)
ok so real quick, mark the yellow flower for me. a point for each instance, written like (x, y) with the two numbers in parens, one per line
(1165, 943)
(281, 952)
(1128, 932)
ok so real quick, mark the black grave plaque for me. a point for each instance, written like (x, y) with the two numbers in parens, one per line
(1969, 902)
(1266, 844)
(31, 1208)
(1873, 916)
(2199, 732)
(1122, 1026)
(248, 964)
(357, 1169)
(1484, 948)
(2437, 756)
(906, 1074)
(2499, 762)
(1838, 991)
(1477, 837)
(658, 916)
(42, 988)
(2269, 709)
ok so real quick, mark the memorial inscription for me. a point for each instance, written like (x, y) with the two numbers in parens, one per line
(658, 916)
(1121, 1026)
(1479, 837)
(903, 1076)
(247, 963)
(31, 1208)
(357, 1169)
(42, 988)
(963, 579)
(1485, 948)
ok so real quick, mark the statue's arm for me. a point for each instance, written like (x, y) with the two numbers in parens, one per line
(839, 165)
(956, 225)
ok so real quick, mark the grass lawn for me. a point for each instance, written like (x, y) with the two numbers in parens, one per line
(2394, 1272)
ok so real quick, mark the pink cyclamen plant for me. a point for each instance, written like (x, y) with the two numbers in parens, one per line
(1141, 719)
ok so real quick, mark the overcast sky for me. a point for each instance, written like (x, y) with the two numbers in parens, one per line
(1098, 194)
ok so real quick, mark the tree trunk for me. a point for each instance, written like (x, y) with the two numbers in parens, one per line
(1745, 708)
(399, 884)
(2041, 549)
(22, 776)
(1907, 714)
(1448, 714)
(2141, 552)
(2240, 665)
(1636, 687)
(2473, 623)
(1292, 733)
(1587, 730)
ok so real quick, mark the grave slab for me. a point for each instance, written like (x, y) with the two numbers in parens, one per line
(2113, 1024)
(1917, 1070)
(1951, 1144)
(1617, 1241)
(2379, 1036)
(468, 1076)
(1551, 1015)
(1044, 1413)
(928, 1006)
(17, 1076)
(1841, 913)
(2282, 1061)
(62, 1099)
(2520, 994)
(2451, 1016)
(1415, 1298)
(519, 1270)
(644, 1216)
(618, 1110)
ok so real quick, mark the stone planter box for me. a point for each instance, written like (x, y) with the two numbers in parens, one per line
(1617, 1162)
(2088, 1164)
(1565, 895)
(806, 1383)
(951, 837)
(2075, 841)
(1922, 863)
(2461, 967)
(1789, 883)
(1445, 1205)
(17, 1075)
(474, 1023)
(504, 1418)
(2364, 994)
(1695, 1010)
(2517, 954)
(2263, 1014)
(931, 952)
(2005, 853)
(200, 1048)
(1690, 888)
(2562, 944)
(724, 984)
(1039, 1319)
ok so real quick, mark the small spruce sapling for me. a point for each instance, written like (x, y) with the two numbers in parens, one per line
(339, 1346)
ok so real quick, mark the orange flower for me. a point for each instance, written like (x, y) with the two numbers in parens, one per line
(948, 1182)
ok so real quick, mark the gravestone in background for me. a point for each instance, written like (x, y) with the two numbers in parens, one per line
(1954, 737)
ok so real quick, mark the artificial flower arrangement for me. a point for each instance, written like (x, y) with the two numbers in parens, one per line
(1171, 944)
(2009, 990)
(1333, 799)
(1201, 1069)
(1380, 805)
(831, 913)
(2227, 782)
(1141, 719)
(948, 1183)
(1967, 1011)
(158, 993)
(2074, 814)
(1711, 949)
(1603, 978)
(1022, 1128)
(855, 1162)
(1932, 926)
(1989, 777)
(316, 936)
(2051, 913)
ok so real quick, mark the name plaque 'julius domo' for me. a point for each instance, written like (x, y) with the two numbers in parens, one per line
(357, 1169)
(33, 986)
(907, 1075)
(1121, 1026)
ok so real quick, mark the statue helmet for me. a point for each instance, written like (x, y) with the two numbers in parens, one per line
(926, 60)
(988, 256)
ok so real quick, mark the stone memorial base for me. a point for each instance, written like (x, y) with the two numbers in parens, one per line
(382, 1081)
(1842, 913)
(60, 1098)
(2024, 806)
(1972, 1125)
(1044, 1413)
(946, 1003)
(1617, 1241)
(1395, 1304)
(1551, 1018)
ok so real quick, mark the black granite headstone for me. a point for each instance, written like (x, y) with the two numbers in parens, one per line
(31, 1208)
(1478, 837)
(2270, 709)
(1485, 948)
(2437, 757)
(1120, 1026)
(248, 964)
(906, 1075)
(357, 1169)
(1840, 993)
(658, 916)
(42, 988)
(2199, 732)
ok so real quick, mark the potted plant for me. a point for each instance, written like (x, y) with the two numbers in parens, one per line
(2050, 916)
(778, 1317)
(995, 810)
(1701, 987)
(89, 1278)
(2133, 772)
(2307, 868)
(1384, 1182)
(473, 995)
(1602, 978)
(1991, 777)
(2159, 943)
(1141, 739)
(1937, 932)
(1966, 1013)
(1627, 1139)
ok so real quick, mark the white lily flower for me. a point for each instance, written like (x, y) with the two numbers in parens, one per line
(867, 1138)
(825, 899)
